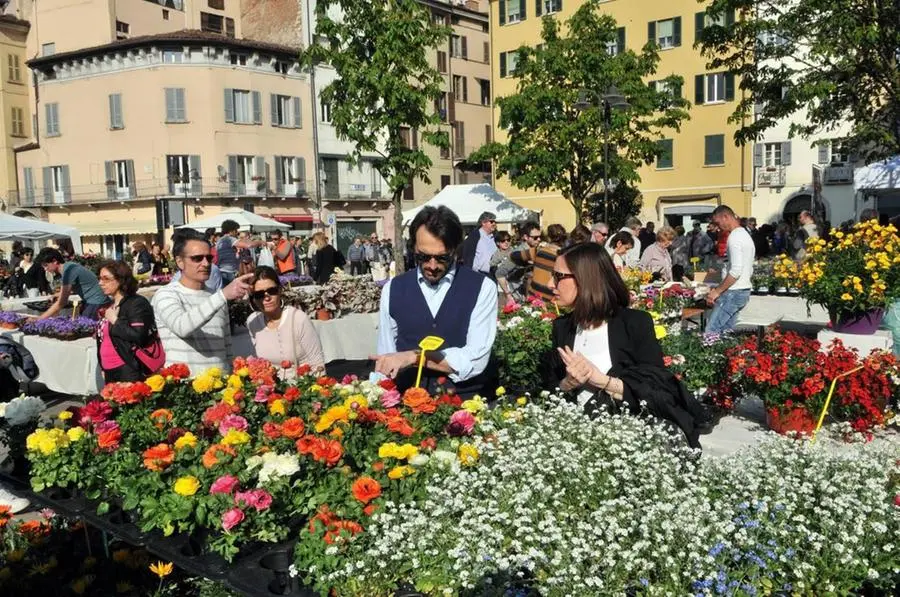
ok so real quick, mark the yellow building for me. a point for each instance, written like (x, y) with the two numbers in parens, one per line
(15, 126)
(706, 168)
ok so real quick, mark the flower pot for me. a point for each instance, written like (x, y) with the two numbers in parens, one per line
(8, 326)
(763, 290)
(860, 322)
(785, 421)
(699, 277)
(323, 314)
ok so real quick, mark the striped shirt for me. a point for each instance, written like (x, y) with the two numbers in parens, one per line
(194, 327)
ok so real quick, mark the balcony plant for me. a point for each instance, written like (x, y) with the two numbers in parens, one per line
(853, 276)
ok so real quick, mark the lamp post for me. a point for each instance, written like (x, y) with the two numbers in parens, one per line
(609, 101)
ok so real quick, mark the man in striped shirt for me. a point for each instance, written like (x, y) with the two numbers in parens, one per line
(193, 320)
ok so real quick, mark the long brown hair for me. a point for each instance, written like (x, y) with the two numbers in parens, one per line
(601, 291)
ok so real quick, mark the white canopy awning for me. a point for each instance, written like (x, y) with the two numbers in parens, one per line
(880, 176)
(247, 220)
(16, 228)
(469, 201)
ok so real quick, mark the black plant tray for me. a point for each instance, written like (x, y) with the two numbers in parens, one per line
(264, 573)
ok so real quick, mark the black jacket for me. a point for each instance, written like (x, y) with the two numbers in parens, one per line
(470, 246)
(637, 360)
(134, 328)
(326, 260)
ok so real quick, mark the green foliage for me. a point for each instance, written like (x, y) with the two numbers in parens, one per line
(624, 201)
(385, 83)
(832, 61)
(698, 360)
(552, 144)
(522, 343)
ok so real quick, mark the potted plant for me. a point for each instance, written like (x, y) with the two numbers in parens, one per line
(10, 320)
(853, 276)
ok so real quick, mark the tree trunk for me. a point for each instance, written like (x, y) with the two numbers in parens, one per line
(578, 205)
(399, 263)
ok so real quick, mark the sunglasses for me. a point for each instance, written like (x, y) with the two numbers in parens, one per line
(560, 276)
(443, 259)
(199, 258)
(533, 237)
(261, 294)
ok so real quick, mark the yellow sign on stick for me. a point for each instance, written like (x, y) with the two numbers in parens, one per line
(427, 343)
(828, 400)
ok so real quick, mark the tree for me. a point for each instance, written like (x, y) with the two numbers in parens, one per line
(624, 201)
(383, 99)
(829, 61)
(551, 143)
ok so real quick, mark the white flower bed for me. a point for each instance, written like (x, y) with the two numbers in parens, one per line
(572, 506)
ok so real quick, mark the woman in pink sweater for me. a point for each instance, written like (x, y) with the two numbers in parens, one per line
(281, 333)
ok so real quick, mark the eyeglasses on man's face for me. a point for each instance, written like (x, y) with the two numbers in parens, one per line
(422, 258)
(199, 258)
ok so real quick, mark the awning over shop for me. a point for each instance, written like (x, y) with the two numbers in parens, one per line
(106, 228)
(878, 178)
(288, 218)
(16, 228)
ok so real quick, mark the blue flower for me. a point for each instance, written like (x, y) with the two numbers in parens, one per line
(645, 582)
(716, 549)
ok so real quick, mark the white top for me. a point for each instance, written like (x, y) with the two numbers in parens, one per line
(299, 345)
(594, 345)
(633, 256)
(193, 327)
(741, 254)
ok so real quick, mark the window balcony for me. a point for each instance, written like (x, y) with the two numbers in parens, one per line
(838, 174)
(770, 176)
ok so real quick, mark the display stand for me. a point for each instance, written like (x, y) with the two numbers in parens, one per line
(865, 344)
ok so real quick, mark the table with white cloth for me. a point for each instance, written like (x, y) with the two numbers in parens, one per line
(66, 366)
(18, 305)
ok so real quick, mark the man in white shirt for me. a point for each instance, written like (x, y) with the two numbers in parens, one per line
(633, 256)
(479, 246)
(733, 293)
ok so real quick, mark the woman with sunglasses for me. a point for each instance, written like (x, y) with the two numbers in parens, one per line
(281, 332)
(607, 355)
(128, 324)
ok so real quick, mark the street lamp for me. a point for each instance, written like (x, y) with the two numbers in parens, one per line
(609, 101)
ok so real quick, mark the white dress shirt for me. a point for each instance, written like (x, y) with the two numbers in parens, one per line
(466, 361)
(483, 252)
(741, 253)
(633, 256)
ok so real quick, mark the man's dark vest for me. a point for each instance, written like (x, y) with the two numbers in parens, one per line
(414, 322)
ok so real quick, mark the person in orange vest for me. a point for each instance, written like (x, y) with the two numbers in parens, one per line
(283, 253)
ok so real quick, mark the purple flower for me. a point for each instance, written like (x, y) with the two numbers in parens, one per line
(60, 327)
(10, 317)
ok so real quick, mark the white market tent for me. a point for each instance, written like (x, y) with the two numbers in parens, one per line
(469, 201)
(247, 220)
(25, 229)
(880, 176)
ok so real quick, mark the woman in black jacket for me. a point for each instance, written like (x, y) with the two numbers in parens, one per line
(327, 258)
(128, 324)
(605, 354)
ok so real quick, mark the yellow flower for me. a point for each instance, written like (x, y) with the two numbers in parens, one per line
(846, 297)
(120, 556)
(235, 382)
(501, 391)
(188, 440)
(522, 401)
(277, 407)
(332, 416)
(392, 450)
(468, 455)
(474, 405)
(242, 372)
(156, 382)
(356, 402)
(213, 372)
(398, 472)
(233, 437)
(187, 486)
(228, 395)
(161, 570)
(203, 384)
(660, 331)
(64, 415)
(75, 433)
(47, 441)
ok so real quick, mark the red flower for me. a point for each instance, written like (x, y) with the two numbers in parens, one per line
(327, 451)
(271, 430)
(126, 392)
(387, 384)
(429, 443)
(285, 364)
(291, 394)
(366, 489)
(303, 369)
(158, 457)
(216, 413)
(292, 427)
(93, 413)
(177, 371)
(306, 444)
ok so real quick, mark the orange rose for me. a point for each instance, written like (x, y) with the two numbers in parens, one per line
(159, 457)
(400, 425)
(293, 427)
(306, 444)
(161, 417)
(33, 530)
(366, 489)
(5, 516)
(212, 454)
(370, 509)
(419, 401)
(328, 452)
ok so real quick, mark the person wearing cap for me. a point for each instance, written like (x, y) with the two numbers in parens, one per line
(479, 245)
(600, 232)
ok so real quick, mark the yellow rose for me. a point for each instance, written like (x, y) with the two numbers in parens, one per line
(233, 437)
(202, 384)
(242, 372)
(213, 372)
(356, 402)
(187, 486)
(235, 382)
(407, 452)
(64, 415)
(846, 297)
(398, 472)
(501, 391)
(188, 440)
(474, 405)
(468, 455)
(277, 407)
(522, 401)
(228, 395)
(388, 450)
(660, 331)
(332, 416)
(156, 382)
(75, 433)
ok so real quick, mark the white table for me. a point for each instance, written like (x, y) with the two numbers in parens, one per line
(66, 366)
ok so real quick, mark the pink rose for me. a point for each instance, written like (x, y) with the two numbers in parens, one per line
(349, 379)
(232, 422)
(462, 422)
(316, 407)
(260, 499)
(390, 399)
(232, 518)
(262, 394)
(224, 484)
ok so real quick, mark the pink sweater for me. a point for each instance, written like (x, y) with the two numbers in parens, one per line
(276, 345)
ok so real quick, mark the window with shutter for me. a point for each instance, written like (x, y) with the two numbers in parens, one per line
(257, 107)
(442, 61)
(714, 150)
(52, 119)
(465, 47)
(18, 122)
(14, 70)
(666, 33)
(503, 65)
(116, 121)
(665, 158)
(175, 105)
(771, 154)
(487, 52)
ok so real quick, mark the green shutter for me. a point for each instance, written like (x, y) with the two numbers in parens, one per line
(729, 17)
(699, 80)
(537, 7)
(501, 7)
(676, 27)
(699, 21)
(620, 40)
(502, 64)
(729, 87)
(651, 32)
(665, 158)
(524, 10)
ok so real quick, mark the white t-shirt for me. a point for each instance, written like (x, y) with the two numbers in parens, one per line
(594, 345)
(741, 254)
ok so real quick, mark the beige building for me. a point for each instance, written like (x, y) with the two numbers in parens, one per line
(15, 126)
(465, 63)
(141, 134)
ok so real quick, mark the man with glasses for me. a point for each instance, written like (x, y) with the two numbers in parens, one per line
(600, 233)
(192, 319)
(438, 298)
(480, 246)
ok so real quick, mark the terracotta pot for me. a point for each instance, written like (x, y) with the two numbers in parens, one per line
(8, 326)
(860, 322)
(323, 314)
(795, 419)
(699, 277)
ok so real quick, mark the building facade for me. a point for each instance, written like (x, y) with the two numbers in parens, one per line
(139, 135)
(15, 126)
(702, 167)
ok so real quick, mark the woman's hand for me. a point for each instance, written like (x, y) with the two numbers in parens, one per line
(578, 368)
(112, 314)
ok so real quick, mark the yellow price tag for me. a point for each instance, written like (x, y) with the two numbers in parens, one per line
(427, 343)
